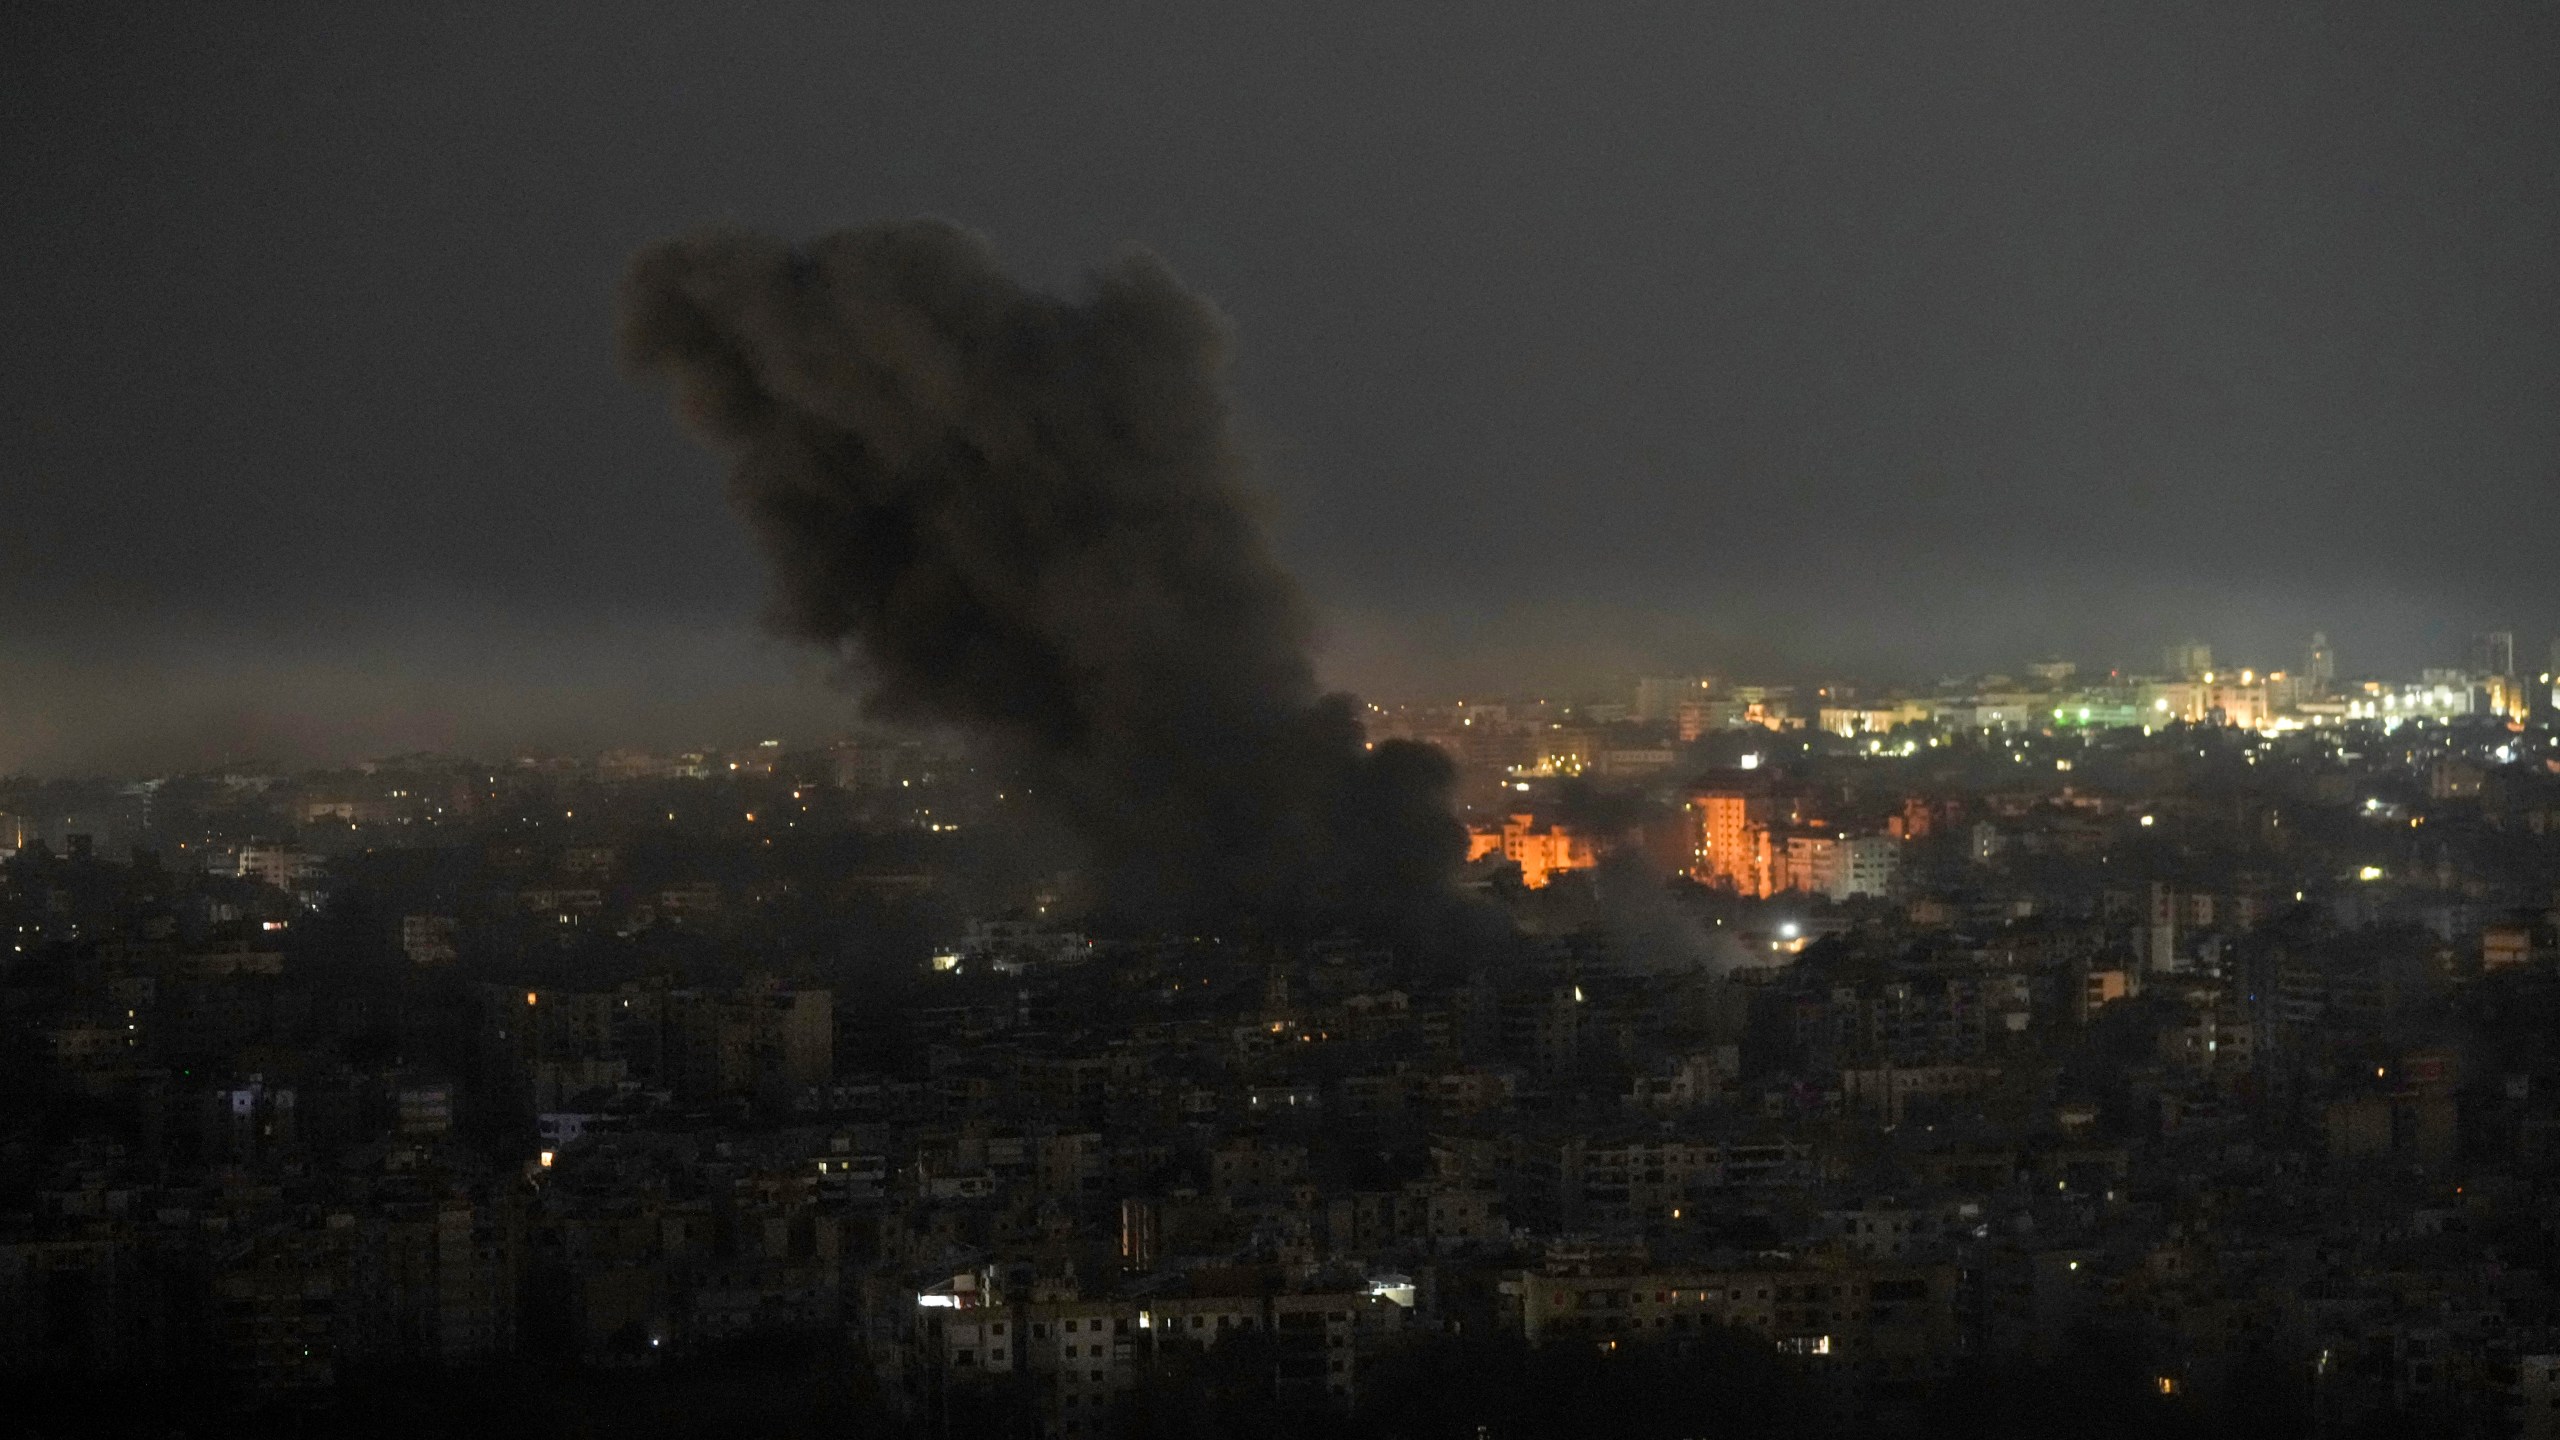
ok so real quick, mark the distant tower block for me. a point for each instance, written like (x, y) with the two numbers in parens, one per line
(2320, 665)
(2494, 653)
(2187, 659)
(1659, 697)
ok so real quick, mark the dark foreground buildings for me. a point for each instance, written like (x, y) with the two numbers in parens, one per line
(1932, 1075)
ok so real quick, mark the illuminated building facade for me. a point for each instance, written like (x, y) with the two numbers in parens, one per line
(1733, 839)
(1542, 851)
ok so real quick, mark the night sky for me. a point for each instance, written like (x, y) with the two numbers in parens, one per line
(1576, 340)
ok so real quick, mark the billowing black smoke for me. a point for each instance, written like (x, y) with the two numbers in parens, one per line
(1025, 515)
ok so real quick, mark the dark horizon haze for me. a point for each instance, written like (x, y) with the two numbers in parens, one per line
(1572, 343)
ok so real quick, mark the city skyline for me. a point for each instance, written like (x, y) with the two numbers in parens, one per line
(818, 703)
(1870, 343)
(1323, 722)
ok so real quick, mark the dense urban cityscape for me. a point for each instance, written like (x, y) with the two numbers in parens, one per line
(1322, 721)
(2177, 1044)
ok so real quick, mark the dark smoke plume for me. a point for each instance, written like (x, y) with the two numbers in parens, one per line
(1026, 516)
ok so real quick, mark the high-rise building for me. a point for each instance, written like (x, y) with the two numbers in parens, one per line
(2186, 660)
(1659, 697)
(1733, 842)
(1874, 862)
(2493, 653)
(2319, 666)
(1541, 850)
(1834, 863)
(750, 1041)
(1811, 863)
